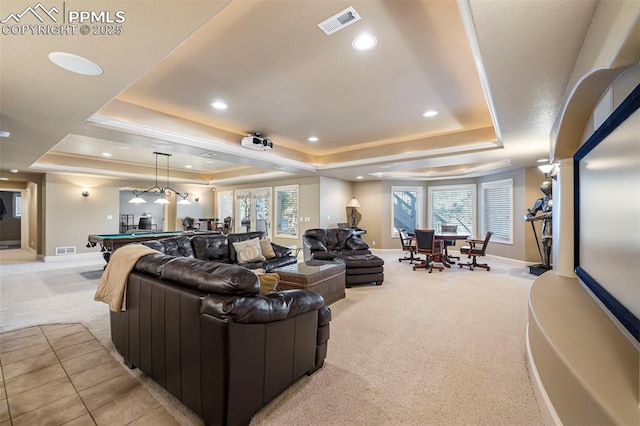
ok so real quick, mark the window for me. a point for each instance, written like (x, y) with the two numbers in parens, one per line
(225, 204)
(406, 208)
(496, 210)
(287, 211)
(253, 207)
(453, 205)
(17, 204)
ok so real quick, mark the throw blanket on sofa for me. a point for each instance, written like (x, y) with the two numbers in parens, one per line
(112, 288)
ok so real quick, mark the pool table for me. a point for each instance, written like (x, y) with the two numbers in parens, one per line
(111, 242)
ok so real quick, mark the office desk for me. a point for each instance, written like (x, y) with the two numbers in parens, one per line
(111, 242)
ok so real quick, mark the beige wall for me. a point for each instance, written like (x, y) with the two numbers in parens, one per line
(309, 202)
(70, 217)
(375, 199)
(322, 200)
(526, 191)
(334, 196)
(370, 196)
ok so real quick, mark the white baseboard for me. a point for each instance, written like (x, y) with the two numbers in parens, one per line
(74, 257)
(549, 413)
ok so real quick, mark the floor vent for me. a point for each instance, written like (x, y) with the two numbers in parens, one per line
(60, 251)
(339, 21)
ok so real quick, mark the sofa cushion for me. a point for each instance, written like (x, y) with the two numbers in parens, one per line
(267, 249)
(318, 234)
(153, 263)
(337, 238)
(268, 282)
(173, 246)
(270, 264)
(262, 309)
(356, 243)
(211, 247)
(234, 238)
(211, 277)
(248, 251)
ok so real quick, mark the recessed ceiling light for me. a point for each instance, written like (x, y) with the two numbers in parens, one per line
(359, 177)
(364, 42)
(219, 105)
(188, 166)
(4, 134)
(75, 63)
(3, 178)
(430, 113)
(107, 154)
(313, 139)
(14, 170)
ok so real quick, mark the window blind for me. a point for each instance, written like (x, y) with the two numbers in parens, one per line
(497, 210)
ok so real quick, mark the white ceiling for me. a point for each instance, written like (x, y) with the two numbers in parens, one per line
(495, 70)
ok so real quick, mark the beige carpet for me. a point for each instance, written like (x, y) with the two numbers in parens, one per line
(444, 348)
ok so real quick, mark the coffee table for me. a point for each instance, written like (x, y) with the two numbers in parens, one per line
(322, 277)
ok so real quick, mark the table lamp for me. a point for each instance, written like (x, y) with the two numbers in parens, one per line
(354, 204)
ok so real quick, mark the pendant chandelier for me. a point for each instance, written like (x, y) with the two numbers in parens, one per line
(162, 192)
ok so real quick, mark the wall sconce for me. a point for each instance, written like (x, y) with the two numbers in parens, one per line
(548, 170)
(85, 192)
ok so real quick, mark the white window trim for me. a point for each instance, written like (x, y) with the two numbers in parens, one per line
(467, 186)
(481, 213)
(17, 204)
(276, 213)
(419, 209)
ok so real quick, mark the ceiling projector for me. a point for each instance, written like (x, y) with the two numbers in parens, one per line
(257, 142)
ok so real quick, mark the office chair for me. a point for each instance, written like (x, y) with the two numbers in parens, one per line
(449, 243)
(226, 225)
(475, 249)
(408, 246)
(427, 244)
(190, 224)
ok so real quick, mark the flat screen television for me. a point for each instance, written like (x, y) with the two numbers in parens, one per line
(607, 213)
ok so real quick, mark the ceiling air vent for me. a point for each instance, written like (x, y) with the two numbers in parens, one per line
(339, 21)
(208, 154)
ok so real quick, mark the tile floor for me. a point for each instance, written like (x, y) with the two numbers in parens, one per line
(61, 375)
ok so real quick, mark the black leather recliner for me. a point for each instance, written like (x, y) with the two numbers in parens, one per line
(340, 245)
(202, 331)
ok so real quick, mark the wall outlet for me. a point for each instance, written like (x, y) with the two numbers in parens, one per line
(328, 217)
(373, 243)
(109, 217)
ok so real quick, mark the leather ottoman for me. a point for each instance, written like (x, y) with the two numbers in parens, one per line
(362, 269)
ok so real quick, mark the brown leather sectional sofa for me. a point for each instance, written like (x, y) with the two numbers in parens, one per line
(201, 330)
(219, 248)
